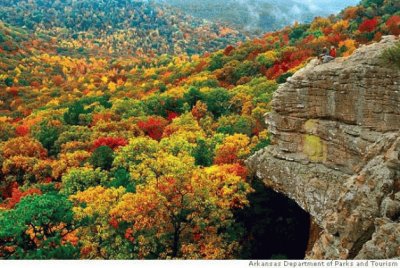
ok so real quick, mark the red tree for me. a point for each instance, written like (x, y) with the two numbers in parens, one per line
(111, 142)
(22, 130)
(228, 50)
(17, 195)
(393, 24)
(368, 25)
(172, 115)
(153, 127)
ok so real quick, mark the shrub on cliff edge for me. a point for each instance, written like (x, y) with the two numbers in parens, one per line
(392, 55)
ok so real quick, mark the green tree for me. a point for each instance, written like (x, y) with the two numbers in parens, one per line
(283, 78)
(155, 105)
(102, 157)
(192, 96)
(9, 81)
(47, 135)
(236, 124)
(216, 62)
(123, 178)
(74, 133)
(298, 32)
(203, 153)
(71, 117)
(372, 3)
(36, 228)
(217, 101)
(246, 68)
(77, 111)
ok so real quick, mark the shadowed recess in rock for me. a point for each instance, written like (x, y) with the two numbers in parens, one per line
(276, 227)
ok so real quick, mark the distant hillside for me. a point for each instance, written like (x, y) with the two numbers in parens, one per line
(118, 26)
(259, 15)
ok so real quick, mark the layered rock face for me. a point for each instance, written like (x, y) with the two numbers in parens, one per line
(336, 152)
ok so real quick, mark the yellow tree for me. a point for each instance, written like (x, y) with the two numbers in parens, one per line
(234, 149)
(181, 208)
(18, 158)
(348, 45)
(100, 236)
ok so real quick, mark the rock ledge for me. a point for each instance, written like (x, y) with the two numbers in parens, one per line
(336, 152)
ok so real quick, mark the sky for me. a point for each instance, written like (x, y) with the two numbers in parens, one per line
(329, 5)
(264, 15)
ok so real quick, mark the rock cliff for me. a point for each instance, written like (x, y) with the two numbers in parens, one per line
(336, 152)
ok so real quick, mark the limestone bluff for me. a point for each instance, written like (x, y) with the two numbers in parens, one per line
(336, 152)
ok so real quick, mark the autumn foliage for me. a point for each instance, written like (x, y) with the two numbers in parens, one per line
(368, 25)
(119, 147)
(17, 195)
(153, 127)
(111, 142)
(393, 24)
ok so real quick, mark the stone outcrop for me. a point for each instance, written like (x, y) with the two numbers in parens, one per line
(336, 152)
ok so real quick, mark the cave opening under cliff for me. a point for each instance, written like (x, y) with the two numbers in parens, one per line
(275, 226)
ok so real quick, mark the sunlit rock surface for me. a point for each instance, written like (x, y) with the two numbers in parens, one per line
(336, 151)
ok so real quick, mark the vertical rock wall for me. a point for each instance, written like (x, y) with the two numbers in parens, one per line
(336, 151)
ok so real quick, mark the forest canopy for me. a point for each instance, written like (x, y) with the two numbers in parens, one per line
(119, 141)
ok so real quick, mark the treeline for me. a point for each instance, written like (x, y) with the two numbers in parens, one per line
(127, 27)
